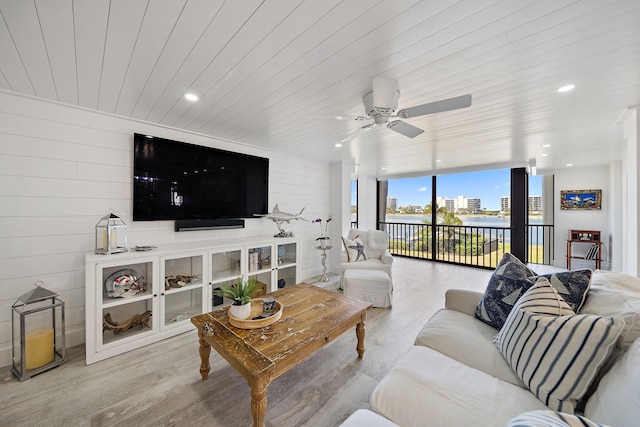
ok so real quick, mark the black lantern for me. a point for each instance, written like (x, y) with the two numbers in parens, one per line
(37, 332)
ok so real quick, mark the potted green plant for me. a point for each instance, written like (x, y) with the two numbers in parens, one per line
(240, 293)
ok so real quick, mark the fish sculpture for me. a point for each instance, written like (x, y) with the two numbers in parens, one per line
(279, 217)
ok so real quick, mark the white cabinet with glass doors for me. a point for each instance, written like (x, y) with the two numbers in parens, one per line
(136, 298)
(274, 263)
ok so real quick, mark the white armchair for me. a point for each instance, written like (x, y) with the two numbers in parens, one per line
(376, 244)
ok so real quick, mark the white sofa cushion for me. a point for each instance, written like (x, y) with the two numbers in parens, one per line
(556, 354)
(551, 419)
(615, 402)
(616, 294)
(377, 242)
(365, 418)
(464, 338)
(426, 387)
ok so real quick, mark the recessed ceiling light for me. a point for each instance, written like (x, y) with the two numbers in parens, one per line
(191, 97)
(438, 161)
(384, 168)
(566, 88)
(543, 155)
(546, 146)
(338, 145)
(569, 164)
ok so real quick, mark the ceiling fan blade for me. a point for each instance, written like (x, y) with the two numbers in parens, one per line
(436, 107)
(404, 128)
(384, 93)
(357, 133)
(345, 118)
(356, 118)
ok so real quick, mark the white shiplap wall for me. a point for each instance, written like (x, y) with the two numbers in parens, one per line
(62, 168)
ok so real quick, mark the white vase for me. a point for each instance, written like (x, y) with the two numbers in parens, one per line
(240, 312)
(323, 243)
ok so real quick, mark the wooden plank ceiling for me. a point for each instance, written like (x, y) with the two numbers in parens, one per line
(275, 73)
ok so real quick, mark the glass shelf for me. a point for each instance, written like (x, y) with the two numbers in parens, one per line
(259, 259)
(186, 269)
(286, 254)
(117, 279)
(225, 265)
(121, 314)
(181, 306)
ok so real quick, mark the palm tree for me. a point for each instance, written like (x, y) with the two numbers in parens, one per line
(450, 222)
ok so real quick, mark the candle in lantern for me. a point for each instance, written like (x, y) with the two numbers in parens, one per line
(113, 240)
(38, 348)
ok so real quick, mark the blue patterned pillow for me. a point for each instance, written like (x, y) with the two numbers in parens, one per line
(571, 285)
(508, 282)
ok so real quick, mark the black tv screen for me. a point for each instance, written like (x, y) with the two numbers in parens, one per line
(176, 180)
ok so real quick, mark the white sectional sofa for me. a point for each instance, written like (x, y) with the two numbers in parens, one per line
(455, 375)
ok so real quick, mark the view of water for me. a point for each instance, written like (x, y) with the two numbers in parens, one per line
(475, 221)
(472, 221)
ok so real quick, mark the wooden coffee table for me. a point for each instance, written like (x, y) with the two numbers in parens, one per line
(311, 317)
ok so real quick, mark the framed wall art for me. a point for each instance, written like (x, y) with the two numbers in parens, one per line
(587, 200)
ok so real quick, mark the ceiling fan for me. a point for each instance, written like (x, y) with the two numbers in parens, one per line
(381, 103)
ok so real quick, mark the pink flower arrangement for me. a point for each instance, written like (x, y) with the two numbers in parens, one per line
(323, 232)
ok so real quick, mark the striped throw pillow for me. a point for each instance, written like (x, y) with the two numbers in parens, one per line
(542, 418)
(555, 352)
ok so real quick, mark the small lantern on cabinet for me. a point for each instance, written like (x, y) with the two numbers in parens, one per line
(37, 333)
(111, 235)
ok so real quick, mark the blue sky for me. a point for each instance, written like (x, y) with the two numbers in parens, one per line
(489, 186)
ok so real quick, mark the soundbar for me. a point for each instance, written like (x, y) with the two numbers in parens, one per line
(207, 224)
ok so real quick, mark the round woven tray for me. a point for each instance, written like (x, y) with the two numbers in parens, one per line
(256, 309)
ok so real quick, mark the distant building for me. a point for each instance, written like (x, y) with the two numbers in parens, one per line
(450, 205)
(473, 205)
(459, 204)
(392, 203)
(535, 204)
(505, 204)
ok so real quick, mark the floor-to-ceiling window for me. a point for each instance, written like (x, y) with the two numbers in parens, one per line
(462, 218)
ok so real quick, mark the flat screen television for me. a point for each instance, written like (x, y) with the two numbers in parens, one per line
(174, 180)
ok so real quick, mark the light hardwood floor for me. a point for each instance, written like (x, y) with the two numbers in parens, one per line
(160, 385)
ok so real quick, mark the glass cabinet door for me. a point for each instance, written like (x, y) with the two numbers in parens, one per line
(126, 300)
(182, 288)
(259, 258)
(287, 260)
(226, 267)
(287, 254)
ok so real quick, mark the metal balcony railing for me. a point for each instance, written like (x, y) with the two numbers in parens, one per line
(478, 246)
